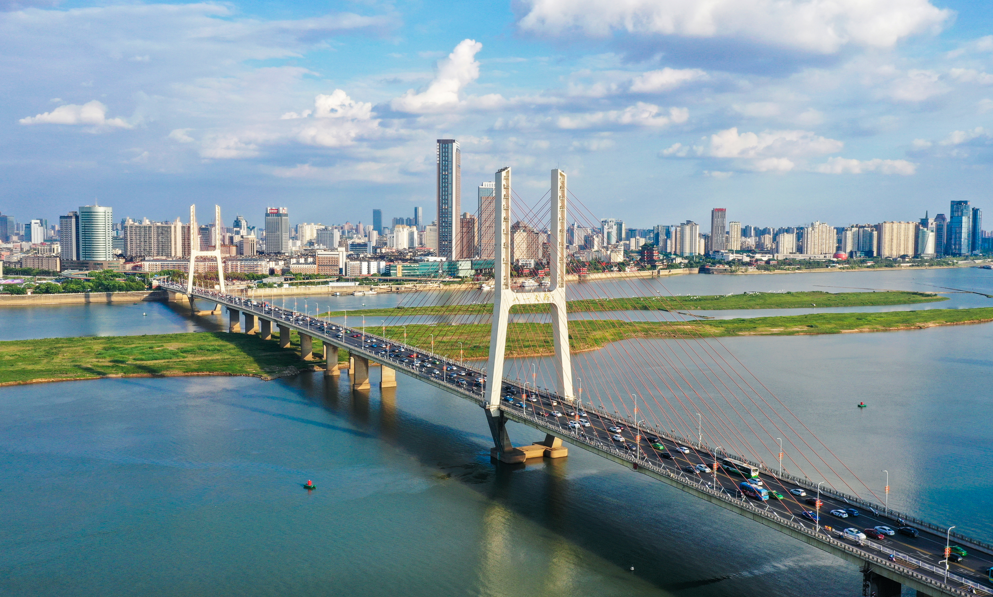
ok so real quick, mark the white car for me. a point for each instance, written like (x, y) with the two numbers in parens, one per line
(854, 534)
(584, 422)
(703, 468)
(839, 513)
(683, 449)
(582, 413)
(798, 492)
(614, 429)
(574, 424)
(617, 438)
(556, 413)
(755, 481)
(885, 530)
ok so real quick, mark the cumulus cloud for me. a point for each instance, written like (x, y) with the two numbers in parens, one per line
(181, 135)
(838, 165)
(336, 120)
(676, 149)
(444, 92)
(812, 26)
(968, 75)
(769, 144)
(718, 174)
(226, 147)
(913, 86)
(657, 81)
(91, 113)
(960, 137)
(592, 145)
(640, 114)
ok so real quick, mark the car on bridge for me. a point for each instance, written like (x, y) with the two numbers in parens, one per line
(874, 534)
(666, 456)
(617, 438)
(839, 513)
(853, 534)
(908, 531)
(885, 530)
(683, 449)
(852, 512)
(615, 429)
(776, 494)
(703, 468)
(955, 549)
(584, 422)
(657, 445)
(809, 515)
(813, 502)
(798, 492)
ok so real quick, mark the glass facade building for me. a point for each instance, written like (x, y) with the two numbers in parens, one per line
(95, 233)
(449, 197)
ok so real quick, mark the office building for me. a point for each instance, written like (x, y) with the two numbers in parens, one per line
(977, 230)
(734, 236)
(377, 220)
(449, 197)
(467, 236)
(277, 230)
(69, 236)
(896, 239)
(95, 236)
(241, 226)
(430, 238)
(418, 218)
(718, 229)
(248, 246)
(34, 231)
(8, 228)
(958, 239)
(487, 220)
(329, 238)
(940, 234)
(613, 231)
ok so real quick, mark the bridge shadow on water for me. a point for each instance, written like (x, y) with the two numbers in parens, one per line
(675, 544)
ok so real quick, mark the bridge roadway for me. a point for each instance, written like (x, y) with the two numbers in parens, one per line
(916, 562)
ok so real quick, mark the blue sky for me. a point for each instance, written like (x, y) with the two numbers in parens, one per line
(782, 111)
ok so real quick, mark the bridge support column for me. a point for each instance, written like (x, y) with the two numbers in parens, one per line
(331, 360)
(250, 323)
(360, 373)
(306, 347)
(389, 378)
(504, 450)
(234, 320)
(265, 329)
(879, 586)
(552, 447)
(284, 336)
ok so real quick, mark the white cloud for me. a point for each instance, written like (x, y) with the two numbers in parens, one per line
(984, 105)
(810, 117)
(772, 165)
(719, 175)
(730, 144)
(838, 165)
(593, 145)
(983, 44)
(225, 147)
(676, 149)
(640, 114)
(336, 120)
(758, 109)
(657, 81)
(814, 26)
(91, 113)
(916, 86)
(444, 92)
(960, 137)
(967, 75)
(919, 144)
(181, 135)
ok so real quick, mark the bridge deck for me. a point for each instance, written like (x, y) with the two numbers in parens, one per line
(924, 571)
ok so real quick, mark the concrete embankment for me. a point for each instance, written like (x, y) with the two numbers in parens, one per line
(82, 298)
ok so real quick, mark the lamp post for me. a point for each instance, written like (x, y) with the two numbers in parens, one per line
(699, 430)
(404, 334)
(637, 428)
(817, 505)
(780, 456)
(363, 331)
(432, 343)
(346, 318)
(461, 360)
(948, 550)
(886, 494)
(716, 451)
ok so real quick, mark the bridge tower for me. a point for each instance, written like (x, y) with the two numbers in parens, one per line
(195, 250)
(504, 297)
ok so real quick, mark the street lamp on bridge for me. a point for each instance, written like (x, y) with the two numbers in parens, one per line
(886, 494)
(817, 505)
(461, 359)
(948, 550)
(432, 342)
(780, 440)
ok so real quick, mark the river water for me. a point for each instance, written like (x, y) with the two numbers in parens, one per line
(182, 486)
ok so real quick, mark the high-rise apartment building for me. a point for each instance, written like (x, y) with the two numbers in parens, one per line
(896, 239)
(786, 243)
(155, 239)
(734, 236)
(449, 197)
(958, 239)
(69, 236)
(689, 239)
(977, 230)
(34, 231)
(613, 231)
(328, 238)
(467, 236)
(95, 236)
(819, 239)
(718, 229)
(277, 230)
(486, 213)
(430, 238)
(377, 220)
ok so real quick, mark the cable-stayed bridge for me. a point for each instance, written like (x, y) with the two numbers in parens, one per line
(674, 389)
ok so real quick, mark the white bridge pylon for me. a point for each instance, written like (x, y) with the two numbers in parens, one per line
(504, 297)
(195, 250)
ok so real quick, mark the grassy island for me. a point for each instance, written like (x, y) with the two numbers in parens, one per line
(752, 300)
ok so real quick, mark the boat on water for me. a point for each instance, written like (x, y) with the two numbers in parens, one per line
(862, 405)
(309, 485)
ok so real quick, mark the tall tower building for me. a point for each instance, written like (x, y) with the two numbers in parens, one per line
(418, 217)
(277, 230)
(467, 236)
(977, 230)
(69, 236)
(95, 224)
(940, 234)
(34, 231)
(959, 237)
(487, 220)
(377, 220)
(734, 236)
(718, 229)
(449, 197)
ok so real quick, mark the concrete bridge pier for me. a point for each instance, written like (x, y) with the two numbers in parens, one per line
(388, 378)
(880, 586)
(331, 360)
(265, 329)
(360, 373)
(234, 320)
(504, 451)
(250, 323)
(306, 347)
(284, 336)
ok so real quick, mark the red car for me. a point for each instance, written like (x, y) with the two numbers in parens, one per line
(356, 335)
(873, 534)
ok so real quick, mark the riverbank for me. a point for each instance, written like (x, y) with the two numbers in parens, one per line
(753, 300)
(82, 298)
(164, 355)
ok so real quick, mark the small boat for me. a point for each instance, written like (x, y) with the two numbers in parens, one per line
(862, 405)
(309, 485)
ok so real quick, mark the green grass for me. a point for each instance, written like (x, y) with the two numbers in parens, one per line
(159, 355)
(765, 300)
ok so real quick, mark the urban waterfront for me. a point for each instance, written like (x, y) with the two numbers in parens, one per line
(166, 486)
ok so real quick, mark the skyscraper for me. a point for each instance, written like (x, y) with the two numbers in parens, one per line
(34, 231)
(977, 230)
(896, 239)
(418, 217)
(734, 236)
(819, 239)
(95, 238)
(69, 236)
(377, 220)
(940, 234)
(718, 229)
(241, 226)
(487, 220)
(449, 197)
(467, 236)
(958, 240)
(8, 227)
(277, 230)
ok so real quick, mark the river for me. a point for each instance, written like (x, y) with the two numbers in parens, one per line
(182, 486)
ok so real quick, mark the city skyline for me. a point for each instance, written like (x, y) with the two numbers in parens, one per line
(854, 115)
